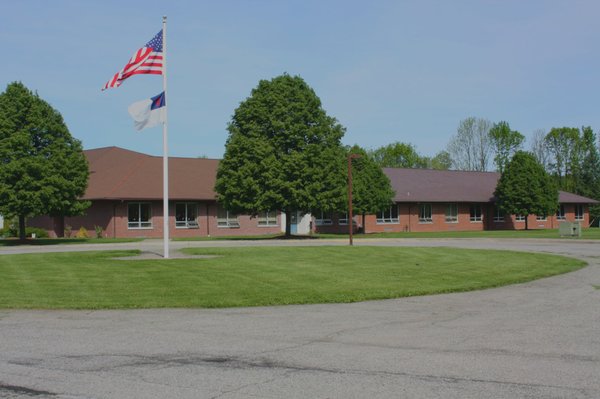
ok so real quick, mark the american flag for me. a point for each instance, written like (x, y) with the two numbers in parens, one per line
(147, 60)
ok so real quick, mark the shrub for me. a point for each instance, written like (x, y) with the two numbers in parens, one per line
(99, 231)
(82, 233)
(13, 231)
(39, 233)
(68, 231)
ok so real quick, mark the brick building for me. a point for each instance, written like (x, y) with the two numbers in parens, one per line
(429, 200)
(125, 189)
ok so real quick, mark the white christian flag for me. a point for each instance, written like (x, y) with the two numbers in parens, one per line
(149, 112)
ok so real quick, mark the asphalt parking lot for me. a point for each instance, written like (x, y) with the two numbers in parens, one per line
(535, 340)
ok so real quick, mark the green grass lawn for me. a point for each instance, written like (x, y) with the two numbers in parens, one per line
(260, 276)
(587, 234)
(231, 238)
(10, 242)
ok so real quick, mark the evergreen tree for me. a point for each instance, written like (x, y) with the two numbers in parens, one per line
(283, 153)
(525, 188)
(43, 170)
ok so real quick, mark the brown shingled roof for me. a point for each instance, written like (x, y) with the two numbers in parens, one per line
(117, 173)
(428, 185)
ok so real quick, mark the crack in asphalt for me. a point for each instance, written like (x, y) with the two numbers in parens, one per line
(232, 362)
(6, 390)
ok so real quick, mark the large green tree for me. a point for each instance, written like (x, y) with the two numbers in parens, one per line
(283, 153)
(525, 188)
(371, 188)
(505, 142)
(42, 167)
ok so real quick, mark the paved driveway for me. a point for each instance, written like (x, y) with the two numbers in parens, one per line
(535, 340)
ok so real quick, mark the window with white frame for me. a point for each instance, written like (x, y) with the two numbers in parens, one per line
(475, 214)
(498, 215)
(268, 218)
(579, 212)
(541, 218)
(226, 218)
(343, 219)
(451, 213)
(560, 213)
(139, 215)
(425, 213)
(324, 218)
(519, 218)
(186, 215)
(388, 216)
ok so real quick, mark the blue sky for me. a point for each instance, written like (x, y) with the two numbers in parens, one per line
(387, 70)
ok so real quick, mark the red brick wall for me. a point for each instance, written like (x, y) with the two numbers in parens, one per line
(112, 217)
(335, 227)
(551, 222)
(409, 220)
(408, 214)
(98, 214)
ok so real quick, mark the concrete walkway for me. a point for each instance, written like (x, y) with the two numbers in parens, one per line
(535, 340)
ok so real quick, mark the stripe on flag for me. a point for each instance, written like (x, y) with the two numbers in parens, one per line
(147, 60)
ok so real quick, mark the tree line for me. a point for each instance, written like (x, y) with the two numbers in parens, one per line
(570, 155)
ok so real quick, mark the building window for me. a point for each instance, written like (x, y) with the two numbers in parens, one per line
(388, 216)
(186, 215)
(541, 218)
(519, 218)
(498, 215)
(226, 218)
(475, 213)
(451, 213)
(268, 218)
(578, 212)
(343, 219)
(139, 215)
(560, 213)
(323, 219)
(425, 213)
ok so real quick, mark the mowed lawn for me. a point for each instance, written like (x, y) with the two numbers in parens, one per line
(586, 234)
(260, 276)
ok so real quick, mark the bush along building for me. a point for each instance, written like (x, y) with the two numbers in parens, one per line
(125, 191)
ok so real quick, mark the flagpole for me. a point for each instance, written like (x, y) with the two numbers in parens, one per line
(165, 149)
